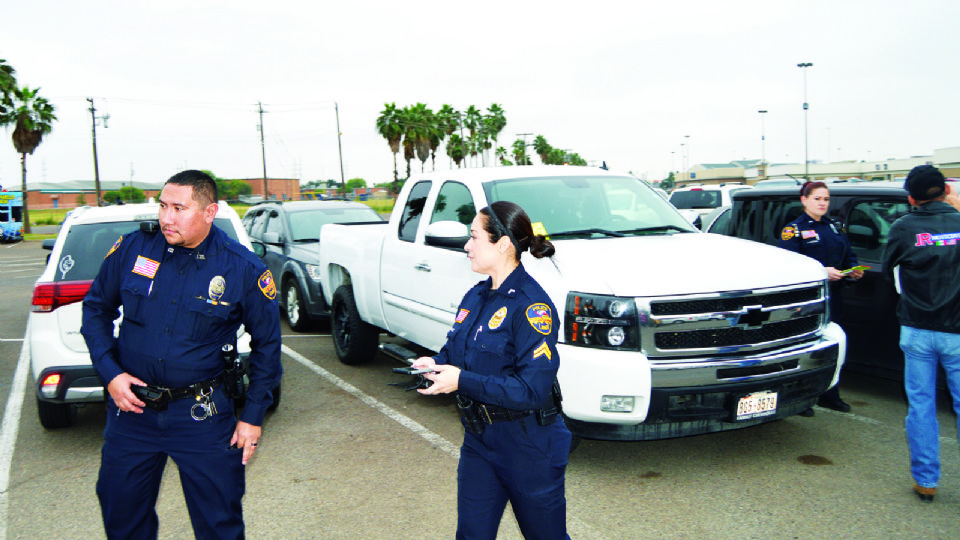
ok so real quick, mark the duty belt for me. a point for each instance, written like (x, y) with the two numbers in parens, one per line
(156, 397)
(193, 390)
(492, 413)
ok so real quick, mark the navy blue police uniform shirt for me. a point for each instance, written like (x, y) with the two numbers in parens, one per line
(505, 343)
(822, 240)
(180, 306)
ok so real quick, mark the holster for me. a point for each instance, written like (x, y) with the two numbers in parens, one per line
(548, 415)
(470, 415)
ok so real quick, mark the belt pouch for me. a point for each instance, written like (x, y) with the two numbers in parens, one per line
(152, 397)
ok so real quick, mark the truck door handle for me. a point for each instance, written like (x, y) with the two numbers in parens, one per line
(422, 266)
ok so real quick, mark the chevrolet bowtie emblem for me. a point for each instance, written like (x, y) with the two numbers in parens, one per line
(753, 318)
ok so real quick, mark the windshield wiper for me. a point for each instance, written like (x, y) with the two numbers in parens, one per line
(658, 228)
(304, 240)
(582, 232)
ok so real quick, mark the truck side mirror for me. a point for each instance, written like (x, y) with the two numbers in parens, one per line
(447, 235)
(258, 248)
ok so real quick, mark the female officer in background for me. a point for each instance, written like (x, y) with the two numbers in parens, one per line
(501, 359)
(815, 235)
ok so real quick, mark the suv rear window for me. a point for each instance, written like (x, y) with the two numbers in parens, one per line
(87, 244)
(688, 200)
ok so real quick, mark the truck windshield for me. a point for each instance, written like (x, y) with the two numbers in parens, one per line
(591, 206)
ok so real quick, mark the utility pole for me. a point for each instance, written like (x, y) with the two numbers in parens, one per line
(806, 159)
(96, 166)
(343, 182)
(263, 152)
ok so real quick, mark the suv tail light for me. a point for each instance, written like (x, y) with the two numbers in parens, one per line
(49, 296)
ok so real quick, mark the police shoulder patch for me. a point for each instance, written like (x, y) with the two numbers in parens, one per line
(788, 232)
(267, 286)
(114, 248)
(539, 317)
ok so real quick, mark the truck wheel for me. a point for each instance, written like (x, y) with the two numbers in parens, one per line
(355, 340)
(296, 308)
(56, 415)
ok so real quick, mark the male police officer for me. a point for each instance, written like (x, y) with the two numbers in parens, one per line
(184, 294)
(923, 256)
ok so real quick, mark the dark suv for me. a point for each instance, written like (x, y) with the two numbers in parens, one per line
(867, 210)
(291, 233)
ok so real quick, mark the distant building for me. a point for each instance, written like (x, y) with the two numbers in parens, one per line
(751, 171)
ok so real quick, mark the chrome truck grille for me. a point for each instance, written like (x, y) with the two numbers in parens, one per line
(731, 322)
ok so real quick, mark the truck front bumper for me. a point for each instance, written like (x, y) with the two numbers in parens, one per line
(691, 398)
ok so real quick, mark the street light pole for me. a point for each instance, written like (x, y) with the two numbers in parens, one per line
(763, 137)
(806, 159)
(343, 182)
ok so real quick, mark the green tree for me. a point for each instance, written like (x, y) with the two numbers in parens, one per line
(495, 121)
(669, 182)
(389, 126)
(126, 194)
(33, 117)
(455, 149)
(8, 86)
(472, 120)
(81, 200)
(542, 148)
(356, 183)
(520, 153)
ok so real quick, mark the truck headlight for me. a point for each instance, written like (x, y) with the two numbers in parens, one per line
(605, 322)
(314, 271)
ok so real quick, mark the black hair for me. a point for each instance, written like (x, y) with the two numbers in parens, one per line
(505, 218)
(204, 186)
(807, 188)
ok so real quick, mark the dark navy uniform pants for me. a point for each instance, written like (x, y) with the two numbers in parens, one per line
(135, 451)
(519, 461)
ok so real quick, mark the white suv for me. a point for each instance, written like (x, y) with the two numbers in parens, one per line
(704, 198)
(59, 359)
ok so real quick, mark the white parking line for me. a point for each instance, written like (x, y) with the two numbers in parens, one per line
(391, 413)
(9, 428)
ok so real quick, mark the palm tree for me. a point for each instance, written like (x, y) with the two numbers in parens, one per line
(472, 122)
(495, 122)
(34, 117)
(8, 85)
(542, 148)
(501, 154)
(388, 126)
(455, 148)
(520, 152)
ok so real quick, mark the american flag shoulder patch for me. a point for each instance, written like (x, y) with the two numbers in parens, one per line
(462, 315)
(145, 267)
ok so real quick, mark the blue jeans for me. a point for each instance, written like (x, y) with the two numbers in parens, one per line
(923, 350)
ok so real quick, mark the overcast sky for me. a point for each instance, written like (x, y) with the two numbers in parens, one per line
(628, 83)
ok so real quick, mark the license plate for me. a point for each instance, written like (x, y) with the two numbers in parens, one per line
(756, 405)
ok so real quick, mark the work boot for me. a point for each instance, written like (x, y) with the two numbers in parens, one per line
(925, 494)
(837, 404)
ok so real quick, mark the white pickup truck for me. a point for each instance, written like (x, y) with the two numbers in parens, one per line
(666, 331)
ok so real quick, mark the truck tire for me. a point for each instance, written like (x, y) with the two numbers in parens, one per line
(296, 309)
(355, 341)
(56, 415)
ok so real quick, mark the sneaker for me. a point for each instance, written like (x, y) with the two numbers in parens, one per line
(838, 404)
(925, 494)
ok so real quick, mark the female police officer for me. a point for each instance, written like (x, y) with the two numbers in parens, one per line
(501, 359)
(815, 235)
